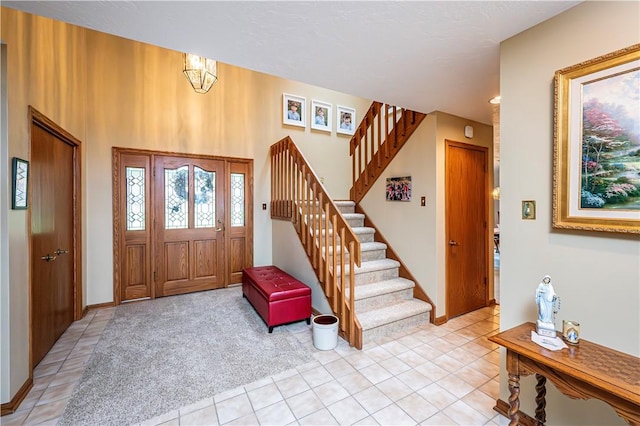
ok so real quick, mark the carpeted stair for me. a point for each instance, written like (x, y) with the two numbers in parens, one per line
(384, 301)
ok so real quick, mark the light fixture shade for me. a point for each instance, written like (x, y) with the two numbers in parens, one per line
(200, 71)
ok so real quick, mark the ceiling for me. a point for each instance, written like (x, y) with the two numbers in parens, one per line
(421, 55)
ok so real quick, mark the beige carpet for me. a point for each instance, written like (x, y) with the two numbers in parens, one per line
(159, 355)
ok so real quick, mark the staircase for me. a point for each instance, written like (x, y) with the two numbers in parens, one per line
(384, 302)
(367, 286)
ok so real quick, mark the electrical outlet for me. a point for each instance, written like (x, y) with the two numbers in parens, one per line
(423, 201)
(264, 206)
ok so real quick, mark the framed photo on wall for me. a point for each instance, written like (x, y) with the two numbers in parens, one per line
(346, 118)
(294, 110)
(19, 184)
(596, 155)
(398, 188)
(321, 115)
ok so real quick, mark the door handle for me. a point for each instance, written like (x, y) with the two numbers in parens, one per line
(220, 227)
(453, 243)
(61, 251)
(48, 258)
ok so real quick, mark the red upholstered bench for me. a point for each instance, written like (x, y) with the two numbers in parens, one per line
(276, 296)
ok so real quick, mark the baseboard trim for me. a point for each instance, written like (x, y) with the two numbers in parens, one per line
(99, 306)
(524, 419)
(11, 406)
(440, 320)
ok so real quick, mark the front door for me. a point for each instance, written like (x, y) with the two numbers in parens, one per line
(182, 223)
(53, 184)
(466, 220)
(189, 215)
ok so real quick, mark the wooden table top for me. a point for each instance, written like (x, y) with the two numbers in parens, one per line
(614, 371)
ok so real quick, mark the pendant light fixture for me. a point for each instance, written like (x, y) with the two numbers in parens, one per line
(200, 71)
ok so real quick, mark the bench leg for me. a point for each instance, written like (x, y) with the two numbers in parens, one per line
(308, 320)
(270, 329)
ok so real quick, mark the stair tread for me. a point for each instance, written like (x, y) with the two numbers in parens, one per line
(392, 313)
(373, 245)
(379, 288)
(353, 215)
(364, 247)
(362, 230)
(376, 265)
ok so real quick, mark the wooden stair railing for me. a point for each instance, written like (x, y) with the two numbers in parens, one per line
(297, 195)
(381, 134)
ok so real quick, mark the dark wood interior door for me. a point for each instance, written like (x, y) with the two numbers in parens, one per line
(52, 239)
(466, 222)
(189, 224)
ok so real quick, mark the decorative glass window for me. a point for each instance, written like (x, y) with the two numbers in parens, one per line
(205, 197)
(176, 198)
(135, 198)
(237, 199)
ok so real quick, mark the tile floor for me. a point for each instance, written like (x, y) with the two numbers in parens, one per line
(446, 375)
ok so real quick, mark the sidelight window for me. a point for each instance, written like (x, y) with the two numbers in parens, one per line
(237, 199)
(135, 198)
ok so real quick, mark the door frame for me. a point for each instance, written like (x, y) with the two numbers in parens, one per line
(116, 153)
(38, 119)
(488, 215)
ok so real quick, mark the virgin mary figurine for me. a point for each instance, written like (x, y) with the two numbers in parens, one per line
(547, 302)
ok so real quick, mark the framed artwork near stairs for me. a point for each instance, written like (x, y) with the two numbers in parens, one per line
(346, 118)
(294, 110)
(321, 115)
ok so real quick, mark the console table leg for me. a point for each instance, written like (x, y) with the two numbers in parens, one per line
(541, 416)
(514, 398)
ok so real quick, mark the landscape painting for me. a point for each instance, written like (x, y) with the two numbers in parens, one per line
(596, 144)
(610, 172)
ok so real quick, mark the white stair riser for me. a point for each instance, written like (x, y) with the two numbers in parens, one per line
(368, 336)
(366, 256)
(355, 222)
(366, 237)
(375, 276)
(382, 299)
(346, 208)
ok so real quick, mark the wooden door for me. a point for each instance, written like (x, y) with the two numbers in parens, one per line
(53, 233)
(466, 221)
(189, 224)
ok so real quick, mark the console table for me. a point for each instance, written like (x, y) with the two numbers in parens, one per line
(586, 370)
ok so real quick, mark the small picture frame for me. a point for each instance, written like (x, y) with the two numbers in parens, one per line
(321, 113)
(294, 110)
(346, 118)
(20, 184)
(398, 188)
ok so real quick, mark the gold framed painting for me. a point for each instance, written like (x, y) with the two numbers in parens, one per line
(596, 153)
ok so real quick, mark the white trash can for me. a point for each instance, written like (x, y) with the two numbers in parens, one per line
(325, 332)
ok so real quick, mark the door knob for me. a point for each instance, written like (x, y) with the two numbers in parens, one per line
(48, 258)
(220, 227)
(61, 251)
(453, 243)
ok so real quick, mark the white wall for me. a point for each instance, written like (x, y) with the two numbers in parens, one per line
(5, 168)
(597, 275)
(416, 233)
(291, 256)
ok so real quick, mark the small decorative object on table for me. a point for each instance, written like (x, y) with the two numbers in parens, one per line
(548, 306)
(571, 332)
